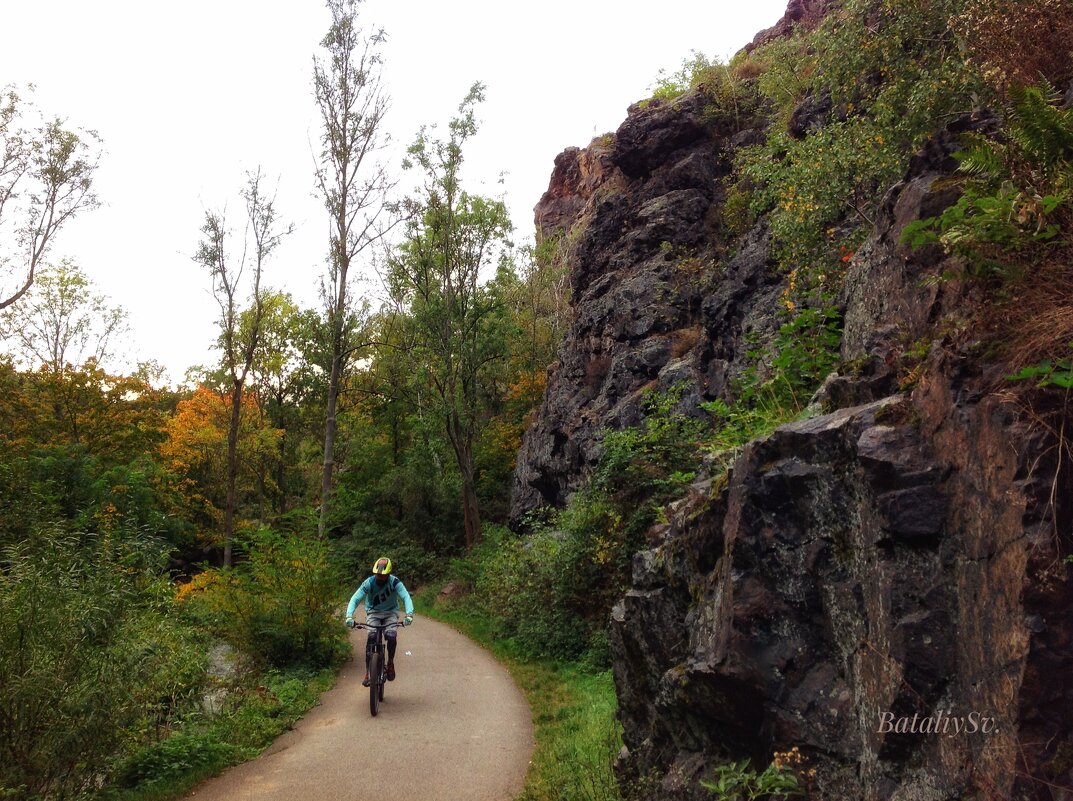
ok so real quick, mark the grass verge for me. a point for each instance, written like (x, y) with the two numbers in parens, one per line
(574, 713)
(255, 715)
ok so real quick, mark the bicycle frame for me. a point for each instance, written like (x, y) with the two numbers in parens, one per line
(375, 659)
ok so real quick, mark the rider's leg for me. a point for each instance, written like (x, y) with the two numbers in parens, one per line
(392, 644)
(392, 636)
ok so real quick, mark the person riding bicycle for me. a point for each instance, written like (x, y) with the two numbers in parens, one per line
(381, 592)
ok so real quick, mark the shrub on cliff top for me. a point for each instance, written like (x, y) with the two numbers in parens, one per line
(883, 75)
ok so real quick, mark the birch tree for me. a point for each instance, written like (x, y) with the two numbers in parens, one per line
(354, 188)
(240, 331)
(46, 178)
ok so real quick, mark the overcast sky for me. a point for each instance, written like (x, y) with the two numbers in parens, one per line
(187, 96)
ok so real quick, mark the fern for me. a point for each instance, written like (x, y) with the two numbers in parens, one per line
(1042, 130)
(1013, 187)
(982, 157)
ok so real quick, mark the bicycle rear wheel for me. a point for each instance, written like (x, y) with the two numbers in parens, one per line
(375, 690)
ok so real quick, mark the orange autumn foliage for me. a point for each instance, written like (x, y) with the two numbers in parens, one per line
(195, 451)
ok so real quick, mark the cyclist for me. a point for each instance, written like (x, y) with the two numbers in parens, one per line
(381, 592)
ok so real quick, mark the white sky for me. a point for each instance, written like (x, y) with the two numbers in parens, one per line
(189, 95)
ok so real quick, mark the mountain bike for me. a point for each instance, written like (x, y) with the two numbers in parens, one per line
(376, 659)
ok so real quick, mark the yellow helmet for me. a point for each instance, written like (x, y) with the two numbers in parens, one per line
(382, 566)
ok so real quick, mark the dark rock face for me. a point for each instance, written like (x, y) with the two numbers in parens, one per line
(804, 13)
(647, 312)
(882, 586)
(857, 571)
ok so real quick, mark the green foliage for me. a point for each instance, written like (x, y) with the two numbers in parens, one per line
(653, 461)
(805, 349)
(738, 781)
(455, 324)
(891, 70)
(259, 713)
(399, 495)
(1048, 373)
(553, 589)
(731, 96)
(46, 179)
(259, 709)
(1017, 190)
(175, 758)
(518, 577)
(578, 739)
(91, 656)
(278, 605)
(692, 72)
(774, 389)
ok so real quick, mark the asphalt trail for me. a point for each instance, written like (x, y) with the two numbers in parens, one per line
(452, 725)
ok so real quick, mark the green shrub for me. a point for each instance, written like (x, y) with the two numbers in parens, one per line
(553, 589)
(1056, 373)
(518, 579)
(1018, 191)
(174, 759)
(257, 715)
(738, 781)
(894, 72)
(92, 658)
(693, 71)
(279, 605)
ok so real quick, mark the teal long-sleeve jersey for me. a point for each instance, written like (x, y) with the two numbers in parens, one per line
(381, 597)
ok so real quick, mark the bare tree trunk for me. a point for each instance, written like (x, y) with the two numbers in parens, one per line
(239, 348)
(462, 444)
(232, 470)
(281, 473)
(329, 441)
(471, 518)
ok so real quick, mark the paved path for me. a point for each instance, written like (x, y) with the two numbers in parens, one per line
(451, 726)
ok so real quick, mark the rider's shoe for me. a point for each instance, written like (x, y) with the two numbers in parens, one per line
(391, 671)
(365, 681)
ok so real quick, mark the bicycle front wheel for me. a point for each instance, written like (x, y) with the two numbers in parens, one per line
(375, 693)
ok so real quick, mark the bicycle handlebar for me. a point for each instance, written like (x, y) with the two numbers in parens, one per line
(377, 625)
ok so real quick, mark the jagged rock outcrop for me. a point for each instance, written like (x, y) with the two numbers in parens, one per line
(804, 13)
(883, 564)
(894, 561)
(882, 586)
(641, 210)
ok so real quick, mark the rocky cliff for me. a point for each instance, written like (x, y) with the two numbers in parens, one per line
(881, 585)
(658, 299)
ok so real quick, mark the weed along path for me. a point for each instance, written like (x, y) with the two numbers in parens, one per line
(452, 725)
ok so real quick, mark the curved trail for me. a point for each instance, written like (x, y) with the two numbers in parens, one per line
(452, 725)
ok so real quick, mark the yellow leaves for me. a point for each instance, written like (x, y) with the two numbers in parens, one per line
(604, 551)
(528, 387)
(196, 449)
(199, 584)
(787, 293)
(792, 760)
